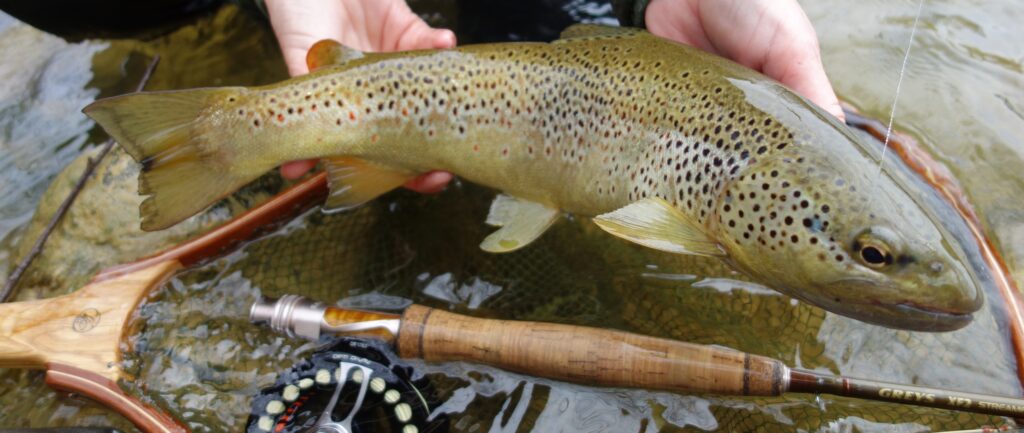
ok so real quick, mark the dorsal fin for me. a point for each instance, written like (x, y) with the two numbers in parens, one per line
(329, 52)
(577, 31)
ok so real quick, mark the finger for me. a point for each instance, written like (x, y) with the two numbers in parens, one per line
(429, 183)
(298, 24)
(418, 36)
(775, 37)
(799, 67)
(809, 80)
(295, 169)
(678, 20)
(407, 31)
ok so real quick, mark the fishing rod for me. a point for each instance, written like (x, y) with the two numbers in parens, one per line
(593, 356)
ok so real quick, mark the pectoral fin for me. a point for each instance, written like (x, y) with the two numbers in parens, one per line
(329, 52)
(655, 223)
(354, 181)
(521, 222)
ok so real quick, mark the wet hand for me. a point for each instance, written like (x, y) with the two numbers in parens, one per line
(367, 25)
(771, 36)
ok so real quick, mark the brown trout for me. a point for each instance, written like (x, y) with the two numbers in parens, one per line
(666, 146)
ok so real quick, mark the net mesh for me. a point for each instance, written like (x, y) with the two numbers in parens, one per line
(197, 357)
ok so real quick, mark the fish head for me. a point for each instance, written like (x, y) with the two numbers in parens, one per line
(824, 224)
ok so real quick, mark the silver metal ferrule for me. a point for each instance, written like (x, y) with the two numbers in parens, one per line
(786, 379)
(296, 316)
(292, 315)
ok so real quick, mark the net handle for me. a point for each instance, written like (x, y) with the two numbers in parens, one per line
(76, 338)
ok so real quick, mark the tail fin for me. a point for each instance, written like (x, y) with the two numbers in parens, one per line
(176, 138)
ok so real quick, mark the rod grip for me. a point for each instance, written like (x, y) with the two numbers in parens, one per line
(586, 355)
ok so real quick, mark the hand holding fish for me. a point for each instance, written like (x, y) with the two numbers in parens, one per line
(774, 37)
(373, 25)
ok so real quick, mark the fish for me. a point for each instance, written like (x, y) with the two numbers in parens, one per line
(663, 145)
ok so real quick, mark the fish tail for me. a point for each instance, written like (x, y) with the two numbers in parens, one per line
(176, 138)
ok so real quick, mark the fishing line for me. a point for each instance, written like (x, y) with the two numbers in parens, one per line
(899, 82)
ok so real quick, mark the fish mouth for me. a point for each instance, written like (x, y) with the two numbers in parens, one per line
(930, 319)
(904, 315)
(899, 313)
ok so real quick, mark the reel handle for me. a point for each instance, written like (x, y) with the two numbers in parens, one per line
(587, 355)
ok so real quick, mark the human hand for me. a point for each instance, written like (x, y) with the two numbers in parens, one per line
(366, 25)
(771, 36)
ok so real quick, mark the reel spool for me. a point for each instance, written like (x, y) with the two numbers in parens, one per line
(354, 386)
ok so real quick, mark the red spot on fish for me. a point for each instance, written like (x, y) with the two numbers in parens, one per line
(280, 117)
(476, 147)
(374, 138)
(351, 116)
(405, 111)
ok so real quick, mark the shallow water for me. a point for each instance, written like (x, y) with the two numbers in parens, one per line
(198, 358)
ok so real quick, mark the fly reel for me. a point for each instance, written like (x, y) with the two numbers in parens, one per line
(354, 386)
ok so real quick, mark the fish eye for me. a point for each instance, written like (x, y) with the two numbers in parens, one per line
(874, 247)
(874, 256)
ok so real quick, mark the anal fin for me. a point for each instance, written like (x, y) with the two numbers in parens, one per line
(655, 223)
(521, 222)
(355, 181)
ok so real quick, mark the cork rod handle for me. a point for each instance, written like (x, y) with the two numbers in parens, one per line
(586, 355)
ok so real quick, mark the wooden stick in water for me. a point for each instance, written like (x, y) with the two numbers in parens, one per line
(37, 248)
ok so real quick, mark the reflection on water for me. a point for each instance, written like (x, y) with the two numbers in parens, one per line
(42, 91)
(197, 357)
